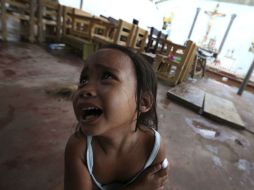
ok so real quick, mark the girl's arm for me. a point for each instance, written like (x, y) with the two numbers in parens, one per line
(76, 175)
(154, 177)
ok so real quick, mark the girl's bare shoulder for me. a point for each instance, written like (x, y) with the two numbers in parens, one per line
(76, 145)
(150, 137)
(76, 173)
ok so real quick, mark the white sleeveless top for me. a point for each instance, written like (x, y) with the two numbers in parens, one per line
(115, 186)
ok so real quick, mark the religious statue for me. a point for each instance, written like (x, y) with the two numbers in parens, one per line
(212, 16)
(167, 20)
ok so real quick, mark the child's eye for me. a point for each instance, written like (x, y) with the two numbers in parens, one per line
(107, 75)
(83, 81)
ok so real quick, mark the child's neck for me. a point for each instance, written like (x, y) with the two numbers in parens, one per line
(116, 142)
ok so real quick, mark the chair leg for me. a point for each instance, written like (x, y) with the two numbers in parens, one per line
(4, 21)
(194, 66)
(204, 68)
(31, 21)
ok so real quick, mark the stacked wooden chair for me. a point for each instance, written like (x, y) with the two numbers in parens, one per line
(49, 20)
(125, 33)
(104, 31)
(155, 44)
(87, 32)
(176, 66)
(156, 41)
(139, 40)
(22, 11)
(77, 30)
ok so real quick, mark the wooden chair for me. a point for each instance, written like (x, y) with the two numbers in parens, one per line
(67, 19)
(22, 11)
(81, 26)
(113, 21)
(49, 20)
(187, 70)
(161, 43)
(104, 31)
(77, 30)
(125, 33)
(139, 40)
(76, 23)
(174, 68)
(156, 41)
(122, 33)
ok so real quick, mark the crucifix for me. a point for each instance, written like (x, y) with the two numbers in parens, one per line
(212, 16)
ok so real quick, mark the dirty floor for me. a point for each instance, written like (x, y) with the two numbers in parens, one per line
(35, 125)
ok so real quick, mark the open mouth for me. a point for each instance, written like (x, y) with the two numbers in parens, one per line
(91, 113)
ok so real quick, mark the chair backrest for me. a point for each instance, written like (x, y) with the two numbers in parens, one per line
(67, 19)
(49, 20)
(125, 33)
(175, 67)
(23, 10)
(156, 41)
(179, 53)
(81, 24)
(18, 6)
(180, 57)
(153, 37)
(135, 21)
(104, 28)
(82, 13)
(189, 60)
(160, 44)
(113, 20)
(139, 40)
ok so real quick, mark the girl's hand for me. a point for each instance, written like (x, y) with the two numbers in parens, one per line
(153, 178)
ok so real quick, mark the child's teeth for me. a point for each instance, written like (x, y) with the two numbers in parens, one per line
(88, 117)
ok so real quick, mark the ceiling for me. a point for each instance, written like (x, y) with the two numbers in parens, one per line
(243, 2)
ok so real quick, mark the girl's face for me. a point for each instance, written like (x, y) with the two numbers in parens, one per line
(106, 97)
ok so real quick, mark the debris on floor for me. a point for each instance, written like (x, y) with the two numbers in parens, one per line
(64, 91)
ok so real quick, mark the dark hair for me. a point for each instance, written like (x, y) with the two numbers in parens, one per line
(146, 82)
